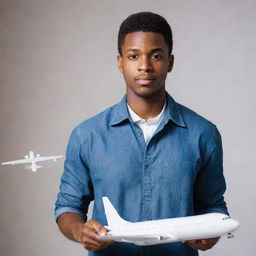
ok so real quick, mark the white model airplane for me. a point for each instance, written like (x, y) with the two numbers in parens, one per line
(166, 230)
(33, 159)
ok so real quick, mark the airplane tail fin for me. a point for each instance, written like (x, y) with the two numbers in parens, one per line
(113, 217)
(33, 167)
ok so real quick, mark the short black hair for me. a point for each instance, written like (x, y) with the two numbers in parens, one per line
(146, 22)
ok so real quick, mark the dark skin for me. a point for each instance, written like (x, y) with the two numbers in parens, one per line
(145, 62)
(73, 227)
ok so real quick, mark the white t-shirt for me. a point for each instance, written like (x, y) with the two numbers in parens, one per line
(148, 126)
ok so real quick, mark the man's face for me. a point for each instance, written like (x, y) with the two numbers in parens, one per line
(145, 62)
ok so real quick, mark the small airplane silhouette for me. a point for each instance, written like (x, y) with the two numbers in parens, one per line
(33, 159)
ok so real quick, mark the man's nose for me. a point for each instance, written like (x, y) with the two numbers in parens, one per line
(144, 64)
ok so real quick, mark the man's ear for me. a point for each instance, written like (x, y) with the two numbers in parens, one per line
(171, 62)
(120, 63)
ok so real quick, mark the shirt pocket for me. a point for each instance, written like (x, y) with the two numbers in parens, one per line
(177, 180)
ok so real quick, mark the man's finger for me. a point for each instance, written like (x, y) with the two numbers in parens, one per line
(103, 245)
(205, 242)
(90, 237)
(191, 241)
(97, 227)
(87, 241)
(106, 243)
(91, 248)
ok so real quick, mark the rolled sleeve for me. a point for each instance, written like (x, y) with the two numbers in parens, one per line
(210, 184)
(62, 210)
(75, 191)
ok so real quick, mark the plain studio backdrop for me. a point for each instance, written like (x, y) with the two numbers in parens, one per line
(58, 67)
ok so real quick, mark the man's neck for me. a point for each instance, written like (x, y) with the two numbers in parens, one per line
(146, 107)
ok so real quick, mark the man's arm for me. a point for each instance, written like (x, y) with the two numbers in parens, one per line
(209, 185)
(73, 227)
(75, 195)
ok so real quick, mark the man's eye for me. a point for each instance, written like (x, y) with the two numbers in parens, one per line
(133, 56)
(156, 56)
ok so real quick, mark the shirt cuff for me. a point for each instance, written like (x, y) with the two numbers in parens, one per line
(62, 210)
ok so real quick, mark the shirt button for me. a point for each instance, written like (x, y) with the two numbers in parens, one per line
(139, 134)
(146, 166)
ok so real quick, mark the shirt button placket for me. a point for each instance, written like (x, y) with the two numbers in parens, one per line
(147, 188)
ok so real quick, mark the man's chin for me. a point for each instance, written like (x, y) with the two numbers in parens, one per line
(144, 95)
(147, 93)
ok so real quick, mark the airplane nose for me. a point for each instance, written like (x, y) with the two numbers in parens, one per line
(235, 224)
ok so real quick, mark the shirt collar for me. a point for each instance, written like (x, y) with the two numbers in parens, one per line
(172, 112)
(120, 113)
(135, 118)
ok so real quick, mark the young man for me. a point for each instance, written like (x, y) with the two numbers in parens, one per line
(153, 157)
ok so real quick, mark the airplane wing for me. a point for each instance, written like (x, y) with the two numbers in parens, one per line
(45, 158)
(143, 239)
(21, 161)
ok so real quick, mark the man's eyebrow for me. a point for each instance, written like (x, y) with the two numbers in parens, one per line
(132, 50)
(152, 51)
(157, 50)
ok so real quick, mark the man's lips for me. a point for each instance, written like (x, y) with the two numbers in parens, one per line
(144, 80)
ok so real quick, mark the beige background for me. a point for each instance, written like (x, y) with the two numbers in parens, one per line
(58, 67)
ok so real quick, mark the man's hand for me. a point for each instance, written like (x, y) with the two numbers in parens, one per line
(87, 234)
(202, 244)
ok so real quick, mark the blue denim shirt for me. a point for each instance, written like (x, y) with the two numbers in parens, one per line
(178, 173)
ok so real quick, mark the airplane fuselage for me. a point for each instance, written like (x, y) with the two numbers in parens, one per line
(178, 229)
(166, 230)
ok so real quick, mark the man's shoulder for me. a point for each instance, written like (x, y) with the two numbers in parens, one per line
(99, 120)
(193, 120)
